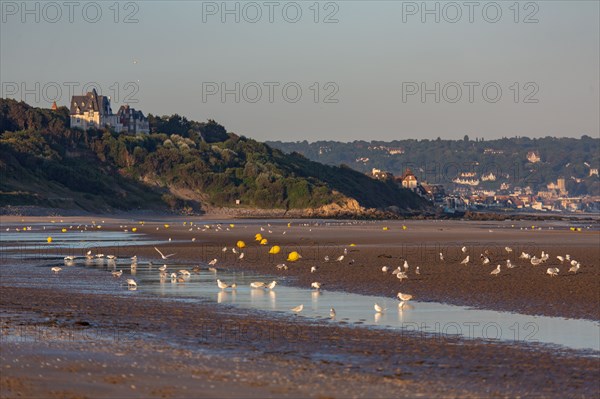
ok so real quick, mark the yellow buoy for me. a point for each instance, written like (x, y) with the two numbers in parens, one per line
(258, 237)
(231, 225)
(289, 225)
(293, 256)
(134, 229)
(263, 241)
(352, 245)
(275, 249)
(166, 226)
(386, 228)
(49, 239)
(241, 244)
(64, 230)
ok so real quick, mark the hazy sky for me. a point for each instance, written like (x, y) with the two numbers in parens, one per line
(342, 70)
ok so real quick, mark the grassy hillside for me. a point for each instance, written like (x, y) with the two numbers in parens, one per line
(182, 164)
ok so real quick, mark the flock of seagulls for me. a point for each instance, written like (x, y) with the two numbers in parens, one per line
(400, 272)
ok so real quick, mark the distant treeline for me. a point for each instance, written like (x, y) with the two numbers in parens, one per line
(440, 161)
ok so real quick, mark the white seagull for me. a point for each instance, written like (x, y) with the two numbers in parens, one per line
(378, 308)
(404, 297)
(56, 269)
(465, 260)
(496, 271)
(297, 309)
(163, 256)
(316, 285)
(552, 271)
(574, 268)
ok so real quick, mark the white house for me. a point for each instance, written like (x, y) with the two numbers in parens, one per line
(94, 111)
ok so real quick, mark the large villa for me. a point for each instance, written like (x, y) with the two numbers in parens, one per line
(94, 111)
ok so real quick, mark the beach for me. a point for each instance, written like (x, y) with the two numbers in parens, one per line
(61, 338)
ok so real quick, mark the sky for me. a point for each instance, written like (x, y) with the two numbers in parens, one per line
(307, 70)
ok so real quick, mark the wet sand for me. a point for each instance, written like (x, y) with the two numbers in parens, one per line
(525, 288)
(206, 350)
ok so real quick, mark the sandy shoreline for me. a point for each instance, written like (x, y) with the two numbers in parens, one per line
(172, 346)
(525, 288)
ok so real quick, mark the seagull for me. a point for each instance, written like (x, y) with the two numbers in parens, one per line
(486, 260)
(222, 285)
(257, 284)
(117, 274)
(573, 262)
(552, 271)
(56, 269)
(524, 256)
(164, 257)
(441, 256)
(535, 261)
(313, 269)
(224, 249)
(241, 256)
(69, 258)
(234, 250)
(560, 258)
(131, 282)
(340, 258)
(111, 257)
(574, 268)
(184, 272)
(316, 285)
(496, 271)
(508, 249)
(134, 258)
(326, 258)
(417, 270)
(405, 265)
(385, 269)
(401, 276)
(271, 285)
(297, 309)
(404, 297)
(378, 308)
(508, 264)
(465, 260)
(282, 266)
(464, 250)
(332, 313)
(213, 262)
(162, 268)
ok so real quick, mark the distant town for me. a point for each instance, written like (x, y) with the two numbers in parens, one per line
(465, 194)
(507, 174)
